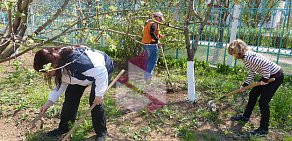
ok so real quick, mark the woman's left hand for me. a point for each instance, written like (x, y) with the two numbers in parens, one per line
(98, 100)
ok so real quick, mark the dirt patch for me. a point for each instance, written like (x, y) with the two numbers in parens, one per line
(9, 132)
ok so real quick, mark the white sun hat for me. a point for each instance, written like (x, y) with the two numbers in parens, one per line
(158, 14)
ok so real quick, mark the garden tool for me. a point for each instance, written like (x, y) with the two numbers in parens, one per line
(169, 89)
(35, 120)
(89, 110)
(212, 103)
(155, 103)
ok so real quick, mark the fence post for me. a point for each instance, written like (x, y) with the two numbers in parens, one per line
(176, 53)
(234, 26)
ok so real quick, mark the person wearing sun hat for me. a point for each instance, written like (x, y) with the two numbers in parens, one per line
(151, 36)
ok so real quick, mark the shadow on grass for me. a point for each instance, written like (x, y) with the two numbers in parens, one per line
(110, 137)
(40, 136)
(204, 135)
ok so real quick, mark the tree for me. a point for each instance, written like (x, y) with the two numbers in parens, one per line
(13, 37)
(75, 17)
(192, 48)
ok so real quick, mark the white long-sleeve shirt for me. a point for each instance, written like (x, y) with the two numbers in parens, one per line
(89, 68)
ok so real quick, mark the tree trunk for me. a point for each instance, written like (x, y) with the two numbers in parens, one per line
(191, 50)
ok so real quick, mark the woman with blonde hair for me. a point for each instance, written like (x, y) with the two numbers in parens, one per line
(257, 64)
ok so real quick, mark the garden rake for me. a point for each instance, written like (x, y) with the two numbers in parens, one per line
(212, 103)
(35, 120)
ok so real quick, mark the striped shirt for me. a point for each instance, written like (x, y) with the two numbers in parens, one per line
(258, 64)
(89, 67)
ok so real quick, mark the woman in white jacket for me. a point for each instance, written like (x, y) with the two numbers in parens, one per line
(74, 68)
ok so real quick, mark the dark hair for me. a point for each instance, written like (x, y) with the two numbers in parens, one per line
(48, 55)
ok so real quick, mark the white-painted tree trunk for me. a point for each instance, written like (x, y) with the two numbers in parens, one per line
(191, 81)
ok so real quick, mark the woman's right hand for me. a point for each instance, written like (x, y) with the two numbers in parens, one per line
(242, 89)
(46, 106)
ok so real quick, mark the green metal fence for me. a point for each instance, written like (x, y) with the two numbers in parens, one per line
(266, 30)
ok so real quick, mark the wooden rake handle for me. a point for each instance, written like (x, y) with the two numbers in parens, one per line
(89, 110)
(246, 88)
(166, 66)
(164, 59)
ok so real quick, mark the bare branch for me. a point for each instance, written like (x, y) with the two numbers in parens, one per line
(17, 19)
(6, 41)
(16, 55)
(55, 16)
(206, 17)
(195, 12)
(8, 36)
(168, 25)
(20, 21)
(88, 17)
(201, 27)
(100, 35)
(25, 4)
(29, 49)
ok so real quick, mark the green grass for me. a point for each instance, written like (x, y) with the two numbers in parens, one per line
(187, 135)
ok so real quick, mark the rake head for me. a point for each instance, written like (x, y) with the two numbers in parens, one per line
(212, 105)
(35, 120)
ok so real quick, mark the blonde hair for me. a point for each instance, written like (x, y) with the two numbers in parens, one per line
(237, 47)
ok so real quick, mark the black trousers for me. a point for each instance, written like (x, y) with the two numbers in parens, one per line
(265, 92)
(70, 107)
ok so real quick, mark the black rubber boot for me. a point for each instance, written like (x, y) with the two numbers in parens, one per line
(101, 138)
(260, 131)
(57, 132)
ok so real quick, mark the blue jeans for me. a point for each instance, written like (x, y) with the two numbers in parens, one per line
(152, 57)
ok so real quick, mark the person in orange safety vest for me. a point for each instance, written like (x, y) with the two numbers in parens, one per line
(150, 42)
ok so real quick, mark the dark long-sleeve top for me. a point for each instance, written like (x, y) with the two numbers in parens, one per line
(152, 32)
(258, 64)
